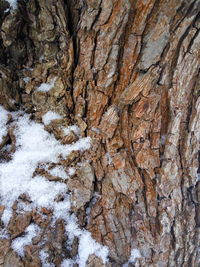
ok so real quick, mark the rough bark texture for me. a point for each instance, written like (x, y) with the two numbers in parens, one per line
(128, 75)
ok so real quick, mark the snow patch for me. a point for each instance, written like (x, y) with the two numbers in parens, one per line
(3, 121)
(58, 171)
(88, 246)
(6, 216)
(20, 242)
(26, 79)
(50, 116)
(4, 234)
(135, 254)
(12, 3)
(73, 128)
(67, 263)
(41, 193)
(46, 87)
(71, 171)
(44, 259)
(36, 147)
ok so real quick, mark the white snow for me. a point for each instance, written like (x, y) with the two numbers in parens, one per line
(41, 193)
(73, 128)
(135, 254)
(50, 116)
(46, 87)
(61, 206)
(88, 246)
(44, 259)
(82, 144)
(67, 263)
(20, 242)
(7, 214)
(36, 147)
(3, 121)
(58, 171)
(12, 3)
(71, 171)
(4, 234)
(26, 79)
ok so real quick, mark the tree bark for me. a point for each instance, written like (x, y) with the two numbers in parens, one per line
(128, 76)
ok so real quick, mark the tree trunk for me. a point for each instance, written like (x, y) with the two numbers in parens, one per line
(127, 73)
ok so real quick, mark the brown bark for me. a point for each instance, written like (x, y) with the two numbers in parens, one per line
(128, 75)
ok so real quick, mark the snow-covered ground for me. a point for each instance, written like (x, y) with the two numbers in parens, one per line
(35, 147)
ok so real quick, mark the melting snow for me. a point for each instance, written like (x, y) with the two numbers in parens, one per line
(36, 147)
